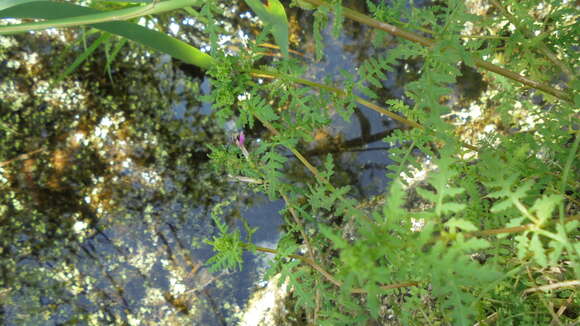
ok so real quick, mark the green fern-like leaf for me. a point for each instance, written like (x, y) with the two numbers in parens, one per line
(440, 181)
(320, 22)
(228, 247)
(338, 18)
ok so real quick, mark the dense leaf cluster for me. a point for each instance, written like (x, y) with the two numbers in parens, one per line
(498, 214)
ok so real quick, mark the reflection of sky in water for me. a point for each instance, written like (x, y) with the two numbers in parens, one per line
(205, 89)
(372, 178)
(263, 215)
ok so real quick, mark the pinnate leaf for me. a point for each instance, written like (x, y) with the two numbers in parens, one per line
(458, 223)
(538, 250)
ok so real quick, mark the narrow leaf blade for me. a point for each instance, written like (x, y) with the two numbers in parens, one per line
(274, 16)
(150, 38)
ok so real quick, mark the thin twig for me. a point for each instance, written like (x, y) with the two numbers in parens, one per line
(301, 228)
(340, 92)
(541, 298)
(563, 307)
(514, 229)
(331, 278)
(24, 156)
(553, 286)
(296, 153)
(489, 320)
(311, 252)
(272, 46)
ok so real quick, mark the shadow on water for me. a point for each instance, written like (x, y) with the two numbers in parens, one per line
(103, 221)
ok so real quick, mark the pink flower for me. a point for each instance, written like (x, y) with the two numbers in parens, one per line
(239, 139)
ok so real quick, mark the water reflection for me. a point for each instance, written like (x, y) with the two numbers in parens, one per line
(103, 224)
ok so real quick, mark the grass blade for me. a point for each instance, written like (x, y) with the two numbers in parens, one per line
(81, 58)
(153, 39)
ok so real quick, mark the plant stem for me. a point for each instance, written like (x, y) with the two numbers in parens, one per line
(301, 227)
(524, 210)
(553, 286)
(567, 168)
(514, 229)
(338, 91)
(311, 252)
(364, 19)
(296, 153)
(329, 276)
(101, 17)
(24, 156)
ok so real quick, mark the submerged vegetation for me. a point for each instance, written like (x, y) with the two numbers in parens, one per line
(479, 222)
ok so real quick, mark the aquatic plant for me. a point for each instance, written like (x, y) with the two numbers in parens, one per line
(496, 233)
